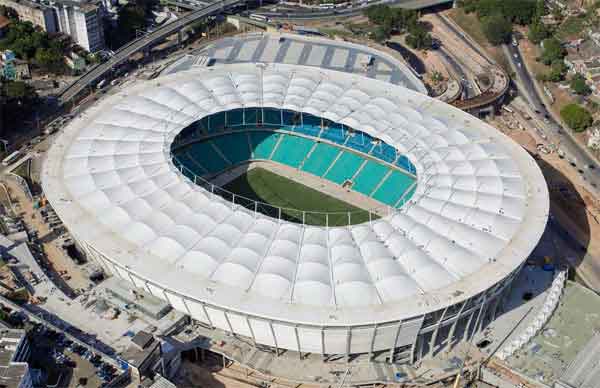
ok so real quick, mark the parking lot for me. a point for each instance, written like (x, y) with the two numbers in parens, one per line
(67, 364)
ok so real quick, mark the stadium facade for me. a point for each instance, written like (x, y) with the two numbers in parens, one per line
(401, 287)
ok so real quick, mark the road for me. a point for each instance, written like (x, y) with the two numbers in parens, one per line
(139, 44)
(298, 14)
(466, 40)
(468, 91)
(582, 161)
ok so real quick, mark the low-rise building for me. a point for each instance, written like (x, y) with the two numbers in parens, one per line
(142, 355)
(16, 70)
(37, 13)
(12, 68)
(75, 62)
(14, 354)
(594, 138)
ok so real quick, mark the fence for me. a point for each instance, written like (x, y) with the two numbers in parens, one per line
(303, 217)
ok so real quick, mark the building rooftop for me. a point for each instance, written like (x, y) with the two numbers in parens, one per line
(143, 301)
(28, 3)
(4, 21)
(136, 355)
(11, 373)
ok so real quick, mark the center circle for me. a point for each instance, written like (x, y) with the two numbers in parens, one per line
(294, 166)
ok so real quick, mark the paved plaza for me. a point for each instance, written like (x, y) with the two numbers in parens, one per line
(302, 50)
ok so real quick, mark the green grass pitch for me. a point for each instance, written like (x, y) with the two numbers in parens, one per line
(262, 185)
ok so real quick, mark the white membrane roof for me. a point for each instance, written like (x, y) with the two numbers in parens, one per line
(480, 206)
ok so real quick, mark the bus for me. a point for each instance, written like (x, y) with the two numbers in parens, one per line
(261, 18)
(11, 158)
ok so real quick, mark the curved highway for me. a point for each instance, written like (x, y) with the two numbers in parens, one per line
(139, 44)
(585, 164)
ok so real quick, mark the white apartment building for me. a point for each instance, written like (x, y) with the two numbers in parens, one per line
(14, 354)
(83, 22)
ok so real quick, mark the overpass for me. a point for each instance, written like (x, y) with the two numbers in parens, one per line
(139, 44)
(316, 13)
(341, 12)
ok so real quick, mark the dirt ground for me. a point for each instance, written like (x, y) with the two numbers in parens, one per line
(572, 206)
(59, 261)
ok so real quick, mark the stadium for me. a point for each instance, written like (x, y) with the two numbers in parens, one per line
(302, 209)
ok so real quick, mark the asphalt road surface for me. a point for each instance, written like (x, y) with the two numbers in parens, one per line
(139, 44)
(574, 153)
(468, 91)
(299, 14)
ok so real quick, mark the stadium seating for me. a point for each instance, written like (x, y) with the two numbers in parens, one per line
(262, 144)
(292, 150)
(405, 164)
(375, 179)
(344, 167)
(321, 158)
(310, 130)
(384, 152)
(360, 142)
(334, 134)
(369, 177)
(205, 154)
(234, 146)
(393, 187)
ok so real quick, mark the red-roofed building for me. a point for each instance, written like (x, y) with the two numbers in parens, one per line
(4, 23)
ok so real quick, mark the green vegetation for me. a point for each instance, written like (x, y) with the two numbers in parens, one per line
(399, 20)
(576, 117)
(497, 29)
(552, 51)
(264, 186)
(557, 72)
(132, 20)
(516, 11)
(579, 86)
(419, 38)
(17, 100)
(538, 32)
(571, 26)
(32, 44)
(498, 16)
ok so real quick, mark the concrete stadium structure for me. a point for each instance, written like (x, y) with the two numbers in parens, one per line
(397, 288)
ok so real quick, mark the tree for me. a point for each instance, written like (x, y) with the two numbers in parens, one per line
(553, 51)
(538, 32)
(576, 117)
(419, 38)
(17, 101)
(9, 12)
(540, 9)
(557, 71)
(50, 59)
(391, 19)
(497, 29)
(519, 11)
(579, 86)
(18, 90)
(130, 19)
(515, 11)
(380, 34)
